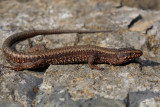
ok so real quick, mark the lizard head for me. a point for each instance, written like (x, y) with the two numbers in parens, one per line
(127, 54)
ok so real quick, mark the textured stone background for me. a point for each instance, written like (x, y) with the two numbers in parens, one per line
(131, 85)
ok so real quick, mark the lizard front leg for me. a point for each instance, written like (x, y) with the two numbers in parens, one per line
(91, 60)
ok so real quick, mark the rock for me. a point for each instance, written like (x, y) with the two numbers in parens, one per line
(143, 99)
(76, 84)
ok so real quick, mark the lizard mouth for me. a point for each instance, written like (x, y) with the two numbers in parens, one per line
(138, 54)
(133, 56)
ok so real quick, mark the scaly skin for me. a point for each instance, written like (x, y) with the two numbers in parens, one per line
(66, 55)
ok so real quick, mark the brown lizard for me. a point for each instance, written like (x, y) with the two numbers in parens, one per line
(66, 55)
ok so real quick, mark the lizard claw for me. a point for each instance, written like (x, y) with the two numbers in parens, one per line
(15, 68)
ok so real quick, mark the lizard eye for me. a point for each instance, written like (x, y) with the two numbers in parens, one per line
(132, 54)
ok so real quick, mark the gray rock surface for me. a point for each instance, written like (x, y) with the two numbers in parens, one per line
(131, 85)
(143, 99)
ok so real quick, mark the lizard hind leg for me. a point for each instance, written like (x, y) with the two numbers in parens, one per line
(29, 65)
(35, 48)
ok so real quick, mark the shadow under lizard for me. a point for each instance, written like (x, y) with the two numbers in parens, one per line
(66, 55)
